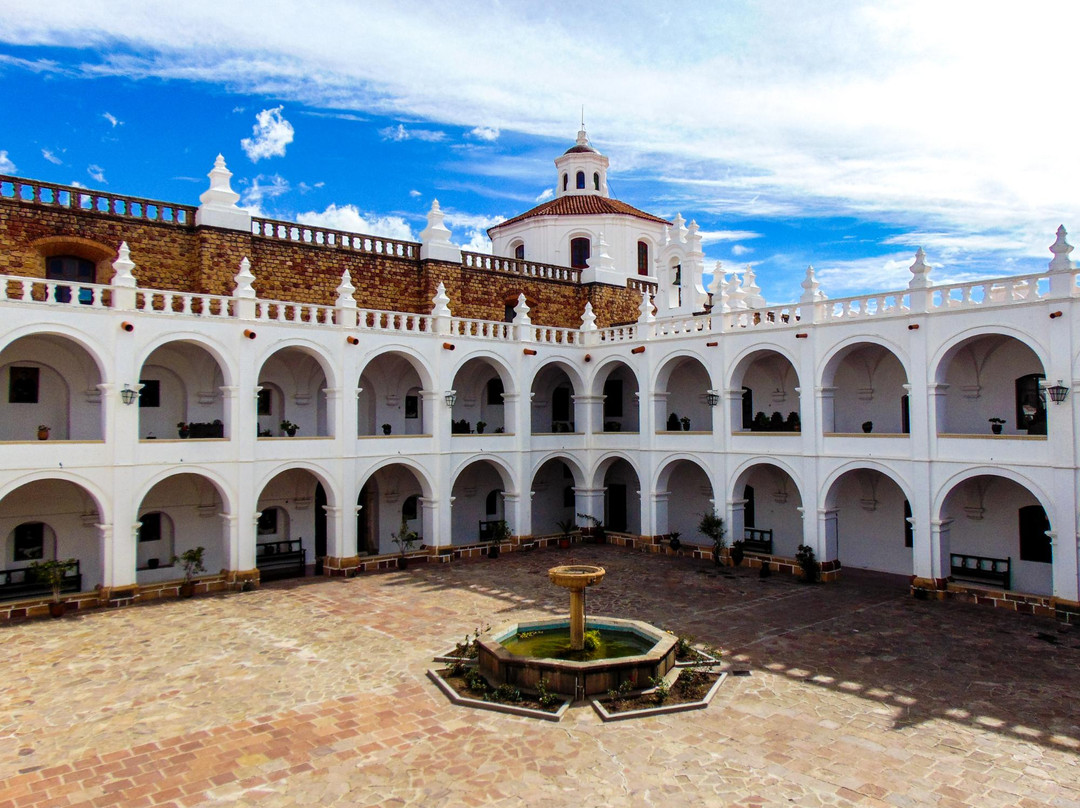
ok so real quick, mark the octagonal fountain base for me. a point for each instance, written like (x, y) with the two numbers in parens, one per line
(573, 678)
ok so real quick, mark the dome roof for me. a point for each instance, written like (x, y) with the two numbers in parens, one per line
(578, 149)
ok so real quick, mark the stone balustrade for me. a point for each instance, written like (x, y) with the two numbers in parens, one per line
(82, 199)
(336, 239)
(513, 266)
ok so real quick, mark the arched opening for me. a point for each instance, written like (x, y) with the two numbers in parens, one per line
(155, 542)
(389, 497)
(181, 393)
(389, 400)
(300, 379)
(75, 269)
(684, 495)
(770, 386)
(553, 497)
(622, 498)
(519, 251)
(580, 252)
(618, 385)
(872, 527)
(643, 258)
(479, 406)
(990, 376)
(46, 520)
(776, 511)
(580, 180)
(285, 541)
(988, 518)
(863, 384)
(565, 181)
(681, 396)
(552, 401)
(596, 181)
(478, 504)
(53, 382)
(192, 507)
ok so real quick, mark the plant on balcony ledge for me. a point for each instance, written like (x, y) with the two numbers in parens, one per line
(387, 429)
(867, 426)
(480, 427)
(183, 429)
(673, 423)
(289, 428)
(685, 423)
(996, 424)
(43, 431)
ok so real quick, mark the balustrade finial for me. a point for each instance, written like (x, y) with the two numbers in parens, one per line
(435, 242)
(345, 291)
(1061, 249)
(645, 309)
(521, 311)
(123, 267)
(811, 287)
(243, 279)
(920, 271)
(441, 301)
(588, 318)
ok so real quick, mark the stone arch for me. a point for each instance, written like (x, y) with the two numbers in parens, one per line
(472, 380)
(300, 369)
(620, 408)
(620, 478)
(683, 393)
(696, 495)
(865, 379)
(555, 386)
(473, 481)
(387, 380)
(777, 505)
(554, 495)
(384, 490)
(865, 502)
(190, 377)
(771, 376)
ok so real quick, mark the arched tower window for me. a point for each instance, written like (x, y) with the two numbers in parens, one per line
(579, 253)
(596, 181)
(565, 181)
(581, 180)
(519, 252)
(642, 258)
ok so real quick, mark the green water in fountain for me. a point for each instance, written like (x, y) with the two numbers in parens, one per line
(554, 643)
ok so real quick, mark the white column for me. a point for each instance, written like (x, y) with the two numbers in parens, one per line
(335, 532)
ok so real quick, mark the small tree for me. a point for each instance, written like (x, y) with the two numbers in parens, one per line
(712, 527)
(192, 562)
(405, 539)
(811, 568)
(52, 572)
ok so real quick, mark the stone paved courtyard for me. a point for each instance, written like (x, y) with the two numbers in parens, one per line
(314, 693)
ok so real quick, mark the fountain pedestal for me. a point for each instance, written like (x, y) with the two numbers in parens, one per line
(576, 577)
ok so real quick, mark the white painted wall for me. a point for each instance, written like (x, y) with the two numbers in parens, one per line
(870, 523)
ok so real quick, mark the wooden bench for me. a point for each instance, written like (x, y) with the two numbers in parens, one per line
(280, 559)
(757, 541)
(981, 569)
(23, 584)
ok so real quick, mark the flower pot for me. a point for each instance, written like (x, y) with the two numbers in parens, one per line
(996, 428)
(291, 433)
(187, 589)
(564, 543)
(152, 563)
(675, 543)
(57, 608)
(493, 551)
(386, 429)
(43, 434)
(184, 432)
(402, 562)
(868, 427)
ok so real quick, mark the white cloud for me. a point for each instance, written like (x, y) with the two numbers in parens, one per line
(112, 119)
(97, 173)
(263, 186)
(272, 133)
(905, 111)
(351, 219)
(51, 157)
(488, 133)
(545, 195)
(76, 184)
(415, 194)
(400, 133)
(708, 236)
(470, 229)
(739, 249)
(6, 165)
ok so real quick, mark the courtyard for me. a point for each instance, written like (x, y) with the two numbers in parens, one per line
(313, 692)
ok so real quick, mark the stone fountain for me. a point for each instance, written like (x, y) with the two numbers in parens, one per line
(553, 650)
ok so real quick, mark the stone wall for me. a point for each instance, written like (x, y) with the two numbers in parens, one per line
(204, 260)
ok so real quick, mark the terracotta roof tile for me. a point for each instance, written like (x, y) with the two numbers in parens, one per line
(581, 205)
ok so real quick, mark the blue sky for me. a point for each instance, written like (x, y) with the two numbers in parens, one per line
(842, 134)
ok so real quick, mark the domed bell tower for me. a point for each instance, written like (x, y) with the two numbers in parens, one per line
(582, 170)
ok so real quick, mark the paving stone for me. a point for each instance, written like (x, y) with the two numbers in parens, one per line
(313, 693)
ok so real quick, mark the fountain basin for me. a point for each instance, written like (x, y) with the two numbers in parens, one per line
(577, 678)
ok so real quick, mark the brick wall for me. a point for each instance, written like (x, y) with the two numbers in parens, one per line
(205, 260)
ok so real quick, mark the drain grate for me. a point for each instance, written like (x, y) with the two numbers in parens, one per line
(741, 672)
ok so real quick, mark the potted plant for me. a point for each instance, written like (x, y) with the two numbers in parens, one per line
(566, 528)
(183, 428)
(811, 569)
(868, 426)
(289, 428)
(760, 423)
(500, 532)
(737, 552)
(996, 424)
(480, 426)
(405, 539)
(43, 431)
(673, 423)
(685, 423)
(52, 572)
(594, 528)
(712, 527)
(793, 424)
(192, 562)
(673, 539)
(387, 429)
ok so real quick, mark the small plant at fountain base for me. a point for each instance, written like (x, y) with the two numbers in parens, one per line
(468, 649)
(618, 695)
(811, 569)
(661, 689)
(546, 698)
(684, 647)
(476, 683)
(505, 693)
(592, 639)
